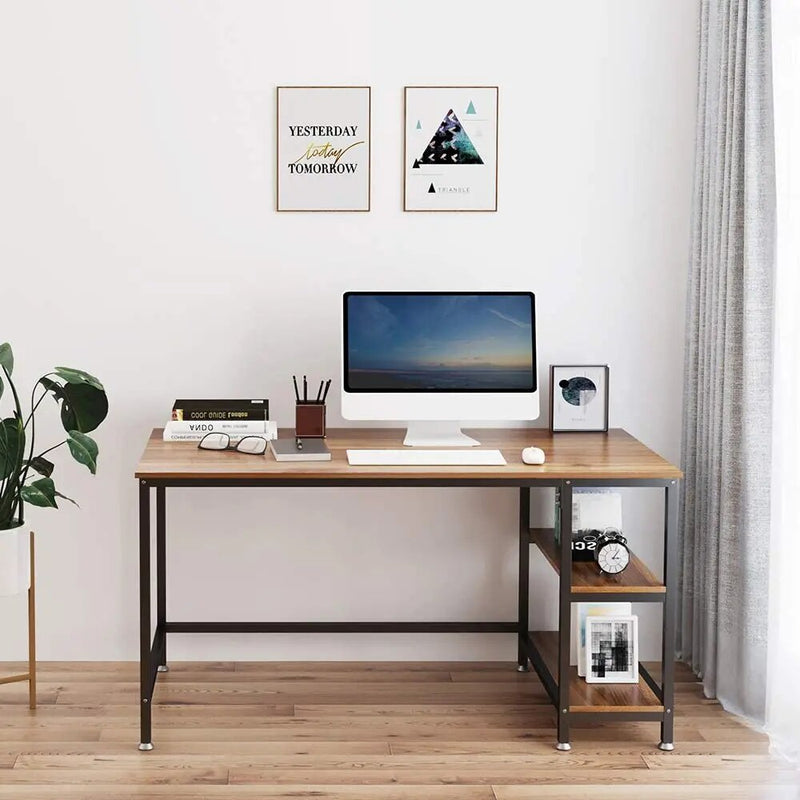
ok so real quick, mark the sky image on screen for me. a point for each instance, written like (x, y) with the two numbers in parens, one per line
(440, 342)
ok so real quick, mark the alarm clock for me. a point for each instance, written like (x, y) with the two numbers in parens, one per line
(611, 552)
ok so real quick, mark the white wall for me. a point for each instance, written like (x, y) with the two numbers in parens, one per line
(138, 240)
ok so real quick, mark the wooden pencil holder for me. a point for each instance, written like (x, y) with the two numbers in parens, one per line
(309, 420)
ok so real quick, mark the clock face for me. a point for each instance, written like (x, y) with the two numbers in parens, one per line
(613, 557)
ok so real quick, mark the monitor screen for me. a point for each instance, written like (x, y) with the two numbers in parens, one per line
(439, 342)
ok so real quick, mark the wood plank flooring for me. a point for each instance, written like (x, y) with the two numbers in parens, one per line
(359, 731)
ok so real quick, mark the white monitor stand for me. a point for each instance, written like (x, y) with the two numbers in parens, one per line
(441, 433)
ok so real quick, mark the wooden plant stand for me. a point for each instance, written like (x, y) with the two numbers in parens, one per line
(30, 675)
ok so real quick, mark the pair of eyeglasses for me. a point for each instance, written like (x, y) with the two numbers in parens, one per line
(251, 445)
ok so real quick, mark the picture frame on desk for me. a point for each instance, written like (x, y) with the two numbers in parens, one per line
(579, 398)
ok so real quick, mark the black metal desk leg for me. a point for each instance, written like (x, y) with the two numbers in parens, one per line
(668, 641)
(145, 693)
(564, 611)
(524, 573)
(161, 576)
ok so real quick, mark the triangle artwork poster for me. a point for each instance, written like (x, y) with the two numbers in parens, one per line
(450, 148)
(450, 144)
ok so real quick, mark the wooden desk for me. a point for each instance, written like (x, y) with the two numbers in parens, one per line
(573, 459)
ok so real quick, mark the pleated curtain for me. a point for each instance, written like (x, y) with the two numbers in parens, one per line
(722, 621)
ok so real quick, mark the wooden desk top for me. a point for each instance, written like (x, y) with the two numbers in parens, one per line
(569, 455)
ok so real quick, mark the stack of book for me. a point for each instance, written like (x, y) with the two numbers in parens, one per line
(193, 419)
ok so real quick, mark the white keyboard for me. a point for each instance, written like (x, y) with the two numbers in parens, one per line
(425, 458)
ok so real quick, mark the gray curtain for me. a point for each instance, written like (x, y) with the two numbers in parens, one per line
(722, 622)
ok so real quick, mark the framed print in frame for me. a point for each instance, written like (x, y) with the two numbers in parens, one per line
(580, 611)
(323, 148)
(612, 649)
(578, 398)
(450, 148)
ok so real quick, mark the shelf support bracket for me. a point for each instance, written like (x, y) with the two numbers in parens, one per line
(564, 498)
(524, 575)
(668, 628)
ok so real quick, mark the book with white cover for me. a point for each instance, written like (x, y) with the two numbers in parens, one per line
(236, 429)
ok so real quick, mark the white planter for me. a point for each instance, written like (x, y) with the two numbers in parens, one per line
(15, 565)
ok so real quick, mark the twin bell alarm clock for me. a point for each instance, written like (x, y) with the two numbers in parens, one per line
(607, 548)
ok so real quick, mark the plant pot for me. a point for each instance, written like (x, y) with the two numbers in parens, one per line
(15, 565)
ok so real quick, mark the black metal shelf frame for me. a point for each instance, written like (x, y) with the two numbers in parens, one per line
(153, 644)
(558, 686)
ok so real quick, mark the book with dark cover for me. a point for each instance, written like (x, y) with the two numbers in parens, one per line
(200, 410)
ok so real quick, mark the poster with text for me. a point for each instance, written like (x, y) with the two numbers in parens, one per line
(450, 148)
(323, 148)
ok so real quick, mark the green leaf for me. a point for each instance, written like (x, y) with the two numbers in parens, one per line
(42, 466)
(84, 407)
(1, 387)
(64, 497)
(6, 357)
(84, 449)
(12, 445)
(40, 493)
(53, 386)
(78, 376)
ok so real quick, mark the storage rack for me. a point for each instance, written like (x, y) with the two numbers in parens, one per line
(582, 582)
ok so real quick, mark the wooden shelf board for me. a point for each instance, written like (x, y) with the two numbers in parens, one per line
(586, 578)
(596, 697)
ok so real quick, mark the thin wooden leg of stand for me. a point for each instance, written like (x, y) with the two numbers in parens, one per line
(32, 630)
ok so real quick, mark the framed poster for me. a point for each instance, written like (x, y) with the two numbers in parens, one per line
(580, 611)
(450, 151)
(612, 649)
(323, 148)
(578, 398)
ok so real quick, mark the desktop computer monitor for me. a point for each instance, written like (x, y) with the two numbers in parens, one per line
(434, 359)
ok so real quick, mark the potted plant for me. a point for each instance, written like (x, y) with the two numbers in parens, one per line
(25, 473)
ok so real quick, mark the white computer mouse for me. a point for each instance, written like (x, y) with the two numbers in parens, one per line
(533, 455)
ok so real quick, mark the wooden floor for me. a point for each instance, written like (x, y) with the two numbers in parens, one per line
(388, 731)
